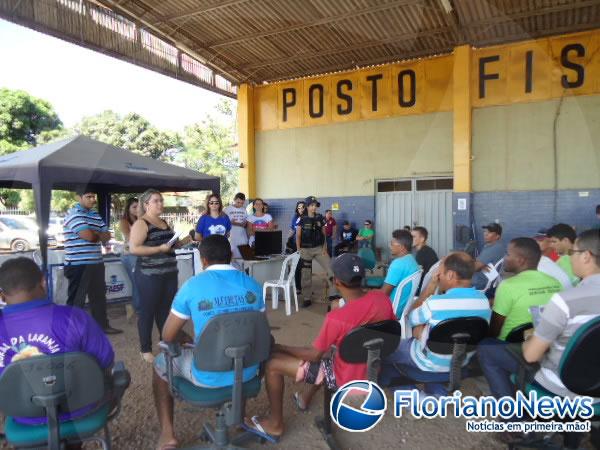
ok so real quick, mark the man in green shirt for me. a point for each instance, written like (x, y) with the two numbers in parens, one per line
(527, 288)
(365, 235)
(562, 237)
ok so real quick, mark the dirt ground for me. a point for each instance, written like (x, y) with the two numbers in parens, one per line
(137, 426)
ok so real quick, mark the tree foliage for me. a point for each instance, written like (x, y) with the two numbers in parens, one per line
(209, 148)
(23, 117)
(131, 132)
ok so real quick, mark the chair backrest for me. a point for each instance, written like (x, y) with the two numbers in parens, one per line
(288, 268)
(241, 329)
(490, 282)
(411, 283)
(442, 336)
(516, 335)
(75, 375)
(580, 363)
(429, 274)
(352, 350)
(368, 257)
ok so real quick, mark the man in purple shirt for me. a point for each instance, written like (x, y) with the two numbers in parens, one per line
(31, 325)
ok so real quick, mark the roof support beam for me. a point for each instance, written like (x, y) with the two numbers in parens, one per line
(322, 21)
(197, 11)
(390, 40)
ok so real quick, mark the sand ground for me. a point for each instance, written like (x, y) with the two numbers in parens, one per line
(137, 426)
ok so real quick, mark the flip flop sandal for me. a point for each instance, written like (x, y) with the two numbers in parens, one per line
(258, 430)
(297, 401)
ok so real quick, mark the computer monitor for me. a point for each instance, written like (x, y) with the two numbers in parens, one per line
(268, 243)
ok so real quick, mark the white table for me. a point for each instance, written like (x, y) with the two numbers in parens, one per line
(263, 269)
(118, 284)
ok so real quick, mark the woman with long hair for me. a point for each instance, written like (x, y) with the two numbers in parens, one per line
(156, 270)
(259, 220)
(214, 220)
(130, 215)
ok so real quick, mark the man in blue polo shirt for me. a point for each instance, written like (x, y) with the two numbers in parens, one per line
(402, 267)
(458, 299)
(85, 232)
(220, 289)
(31, 325)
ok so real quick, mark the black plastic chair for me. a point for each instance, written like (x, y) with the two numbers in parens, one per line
(228, 342)
(455, 337)
(51, 385)
(367, 344)
(579, 371)
(517, 334)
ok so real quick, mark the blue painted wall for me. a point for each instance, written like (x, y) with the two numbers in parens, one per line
(522, 213)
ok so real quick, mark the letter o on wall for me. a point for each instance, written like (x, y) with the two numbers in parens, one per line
(311, 101)
(412, 90)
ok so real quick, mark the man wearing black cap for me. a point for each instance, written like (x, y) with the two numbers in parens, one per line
(305, 364)
(85, 232)
(492, 252)
(310, 240)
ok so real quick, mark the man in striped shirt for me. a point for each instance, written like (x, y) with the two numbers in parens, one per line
(85, 232)
(458, 299)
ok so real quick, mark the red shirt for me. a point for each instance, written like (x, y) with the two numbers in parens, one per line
(329, 224)
(554, 256)
(375, 306)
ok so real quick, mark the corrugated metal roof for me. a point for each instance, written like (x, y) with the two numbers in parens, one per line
(268, 40)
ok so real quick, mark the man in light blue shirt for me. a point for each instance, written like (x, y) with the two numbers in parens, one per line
(401, 268)
(220, 289)
(458, 299)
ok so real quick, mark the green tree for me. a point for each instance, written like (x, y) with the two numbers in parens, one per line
(131, 132)
(209, 147)
(23, 119)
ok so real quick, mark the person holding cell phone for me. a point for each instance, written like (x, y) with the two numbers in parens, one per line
(151, 239)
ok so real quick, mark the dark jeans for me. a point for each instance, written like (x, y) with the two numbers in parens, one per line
(393, 367)
(88, 279)
(329, 240)
(156, 295)
(497, 365)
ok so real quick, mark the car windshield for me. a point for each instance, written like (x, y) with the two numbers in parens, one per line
(14, 224)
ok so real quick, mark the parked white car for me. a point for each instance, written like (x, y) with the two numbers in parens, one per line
(20, 233)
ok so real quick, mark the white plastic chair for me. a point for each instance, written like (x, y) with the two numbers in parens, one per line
(491, 282)
(412, 283)
(285, 282)
(427, 277)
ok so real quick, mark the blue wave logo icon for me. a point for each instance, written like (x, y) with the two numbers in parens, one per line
(370, 413)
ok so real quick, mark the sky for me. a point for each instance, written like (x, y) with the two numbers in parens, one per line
(81, 82)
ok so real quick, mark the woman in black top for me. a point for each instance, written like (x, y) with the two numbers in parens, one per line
(156, 269)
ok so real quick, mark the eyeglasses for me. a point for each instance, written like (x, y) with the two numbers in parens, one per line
(214, 203)
(367, 224)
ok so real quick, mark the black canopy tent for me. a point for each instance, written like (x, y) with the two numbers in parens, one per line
(106, 169)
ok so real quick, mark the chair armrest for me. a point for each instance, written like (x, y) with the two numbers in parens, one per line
(526, 370)
(121, 378)
(170, 349)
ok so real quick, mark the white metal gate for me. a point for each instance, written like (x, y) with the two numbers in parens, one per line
(425, 202)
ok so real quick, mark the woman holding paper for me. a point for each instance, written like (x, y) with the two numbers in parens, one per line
(153, 241)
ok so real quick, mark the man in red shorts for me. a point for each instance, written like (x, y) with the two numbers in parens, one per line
(307, 363)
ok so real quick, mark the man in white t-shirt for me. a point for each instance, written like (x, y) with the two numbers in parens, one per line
(239, 219)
